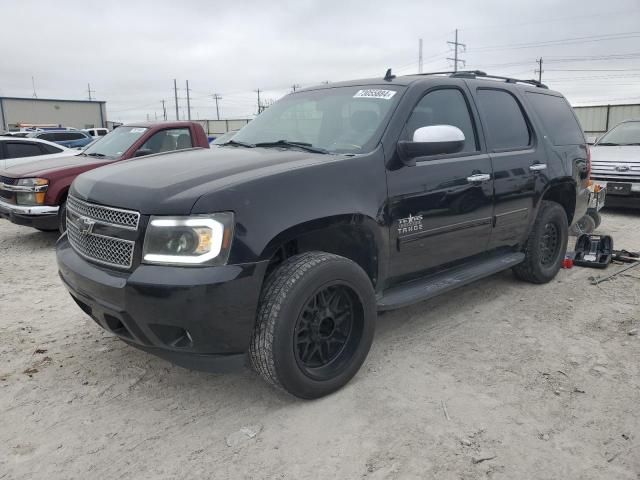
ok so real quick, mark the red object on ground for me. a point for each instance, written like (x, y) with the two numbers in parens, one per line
(567, 263)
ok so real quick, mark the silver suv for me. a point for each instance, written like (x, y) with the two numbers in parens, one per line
(615, 161)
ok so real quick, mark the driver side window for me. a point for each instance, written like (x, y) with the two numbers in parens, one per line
(443, 107)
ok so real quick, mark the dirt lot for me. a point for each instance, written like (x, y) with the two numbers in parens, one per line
(500, 379)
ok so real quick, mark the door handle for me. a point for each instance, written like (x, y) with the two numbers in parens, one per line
(536, 167)
(479, 177)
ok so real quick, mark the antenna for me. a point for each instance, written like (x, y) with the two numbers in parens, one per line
(389, 76)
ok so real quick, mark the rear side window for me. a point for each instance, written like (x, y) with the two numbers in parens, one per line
(19, 150)
(50, 148)
(503, 119)
(559, 121)
(48, 136)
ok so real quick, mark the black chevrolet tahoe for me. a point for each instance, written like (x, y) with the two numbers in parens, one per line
(337, 202)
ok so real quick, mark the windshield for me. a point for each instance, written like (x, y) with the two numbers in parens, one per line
(338, 120)
(627, 133)
(114, 144)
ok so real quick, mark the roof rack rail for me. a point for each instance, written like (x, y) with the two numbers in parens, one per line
(480, 73)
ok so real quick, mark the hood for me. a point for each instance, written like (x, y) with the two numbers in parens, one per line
(45, 167)
(170, 184)
(611, 153)
(11, 162)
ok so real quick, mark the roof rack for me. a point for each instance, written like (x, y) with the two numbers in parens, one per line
(480, 73)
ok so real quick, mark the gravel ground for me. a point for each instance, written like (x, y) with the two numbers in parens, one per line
(499, 379)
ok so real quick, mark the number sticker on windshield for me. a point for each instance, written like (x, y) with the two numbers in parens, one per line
(375, 93)
(137, 130)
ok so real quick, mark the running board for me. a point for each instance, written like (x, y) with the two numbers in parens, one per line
(422, 289)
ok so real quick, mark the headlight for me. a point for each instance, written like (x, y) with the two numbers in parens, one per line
(194, 240)
(31, 191)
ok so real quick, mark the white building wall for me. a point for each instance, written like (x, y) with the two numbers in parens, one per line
(68, 113)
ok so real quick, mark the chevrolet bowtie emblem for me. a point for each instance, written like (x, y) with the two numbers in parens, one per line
(85, 225)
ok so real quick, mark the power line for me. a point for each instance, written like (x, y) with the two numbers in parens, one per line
(563, 41)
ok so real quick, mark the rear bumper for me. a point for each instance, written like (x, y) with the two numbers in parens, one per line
(44, 217)
(201, 318)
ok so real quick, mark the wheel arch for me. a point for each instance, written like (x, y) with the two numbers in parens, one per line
(562, 191)
(353, 236)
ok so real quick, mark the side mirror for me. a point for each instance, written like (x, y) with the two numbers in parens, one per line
(142, 152)
(431, 140)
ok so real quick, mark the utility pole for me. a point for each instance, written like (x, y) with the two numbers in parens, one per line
(89, 91)
(294, 87)
(420, 55)
(164, 111)
(259, 104)
(175, 93)
(217, 97)
(33, 84)
(456, 44)
(188, 103)
(539, 70)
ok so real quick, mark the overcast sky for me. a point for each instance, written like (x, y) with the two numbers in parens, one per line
(130, 52)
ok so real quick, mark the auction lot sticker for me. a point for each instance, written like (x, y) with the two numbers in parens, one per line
(375, 93)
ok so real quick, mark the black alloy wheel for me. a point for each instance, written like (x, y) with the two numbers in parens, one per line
(328, 331)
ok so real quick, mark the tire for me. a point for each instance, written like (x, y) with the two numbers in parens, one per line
(597, 218)
(586, 224)
(315, 324)
(546, 246)
(62, 218)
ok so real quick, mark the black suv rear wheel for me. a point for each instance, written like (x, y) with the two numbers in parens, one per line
(546, 246)
(315, 324)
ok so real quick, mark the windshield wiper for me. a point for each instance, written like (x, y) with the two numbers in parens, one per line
(240, 144)
(608, 144)
(289, 143)
(97, 155)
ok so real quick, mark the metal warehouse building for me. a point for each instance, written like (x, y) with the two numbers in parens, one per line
(69, 113)
(597, 119)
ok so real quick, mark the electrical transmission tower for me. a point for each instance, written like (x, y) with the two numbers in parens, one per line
(420, 55)
(457, 48)
(89, 91)
(539, 70)
(217, 97)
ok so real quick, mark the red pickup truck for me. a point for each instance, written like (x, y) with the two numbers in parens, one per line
(35, 193)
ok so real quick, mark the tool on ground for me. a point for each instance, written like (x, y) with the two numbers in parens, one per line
(597, 280)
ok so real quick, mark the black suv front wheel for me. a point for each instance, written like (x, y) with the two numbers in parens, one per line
(315, 324)
(546, 246)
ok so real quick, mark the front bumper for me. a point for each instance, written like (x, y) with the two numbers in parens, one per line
(44, 217)
(624, 198)
(197, 317)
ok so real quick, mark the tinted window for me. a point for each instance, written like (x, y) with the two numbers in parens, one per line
(504, 122)
(75, 136)
(18, 150)
(443, 107)
(102, 133)
(559, 121)
(50, 148)
(168, 140)
(48, 136)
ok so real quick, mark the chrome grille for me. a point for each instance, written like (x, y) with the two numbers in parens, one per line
(93, 232)
(107, 215)
(111, 251)
(615, 171)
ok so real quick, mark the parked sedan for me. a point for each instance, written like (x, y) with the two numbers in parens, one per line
(66, 138)
(15, 150)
